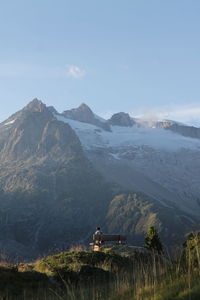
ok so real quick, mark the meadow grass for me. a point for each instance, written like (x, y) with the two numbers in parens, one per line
(86, 275)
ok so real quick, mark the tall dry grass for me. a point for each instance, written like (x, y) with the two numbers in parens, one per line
(150, 277)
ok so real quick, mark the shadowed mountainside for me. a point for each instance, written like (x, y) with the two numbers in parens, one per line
(49, 189)
(52, 196)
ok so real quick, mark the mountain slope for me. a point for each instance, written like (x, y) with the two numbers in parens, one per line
(61, 176)
(134, 213)
(49, 189)
(161, 163)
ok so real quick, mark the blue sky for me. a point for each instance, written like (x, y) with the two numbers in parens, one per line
(136, 56)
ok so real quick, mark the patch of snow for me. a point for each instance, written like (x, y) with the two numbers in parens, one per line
(99, 118)
(159, 138)
(116, 156)
(10, 122)
(161, 163)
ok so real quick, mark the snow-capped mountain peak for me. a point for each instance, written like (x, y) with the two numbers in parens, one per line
(159, 162)
(84, 114)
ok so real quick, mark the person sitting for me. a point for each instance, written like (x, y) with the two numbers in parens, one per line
(99, 234)
(98, 231)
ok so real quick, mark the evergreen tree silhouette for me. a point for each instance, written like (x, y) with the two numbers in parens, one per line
(152, 241)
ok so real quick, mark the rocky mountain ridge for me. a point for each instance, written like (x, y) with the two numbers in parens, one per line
(84, 114)
(63, 174)
(157, 160)
(48, 186)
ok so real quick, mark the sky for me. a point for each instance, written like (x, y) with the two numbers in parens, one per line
(137, 56)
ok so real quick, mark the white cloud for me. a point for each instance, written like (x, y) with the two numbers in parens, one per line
(36, 71)
(75, 72)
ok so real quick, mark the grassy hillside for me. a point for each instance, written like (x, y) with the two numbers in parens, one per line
(134, 274)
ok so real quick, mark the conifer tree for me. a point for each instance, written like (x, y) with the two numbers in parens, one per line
(152, 241)
(191, 249)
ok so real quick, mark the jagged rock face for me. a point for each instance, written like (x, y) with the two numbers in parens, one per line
(48, 188)
(84, 114)
(52, 109)
(36, 134)
(35, 106)
(121, 119)
(51, 194)
(21, 134)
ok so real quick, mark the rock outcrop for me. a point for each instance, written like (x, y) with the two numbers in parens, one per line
(84, 114)
(121, 119)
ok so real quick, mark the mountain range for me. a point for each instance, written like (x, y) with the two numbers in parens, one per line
(62, 174)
